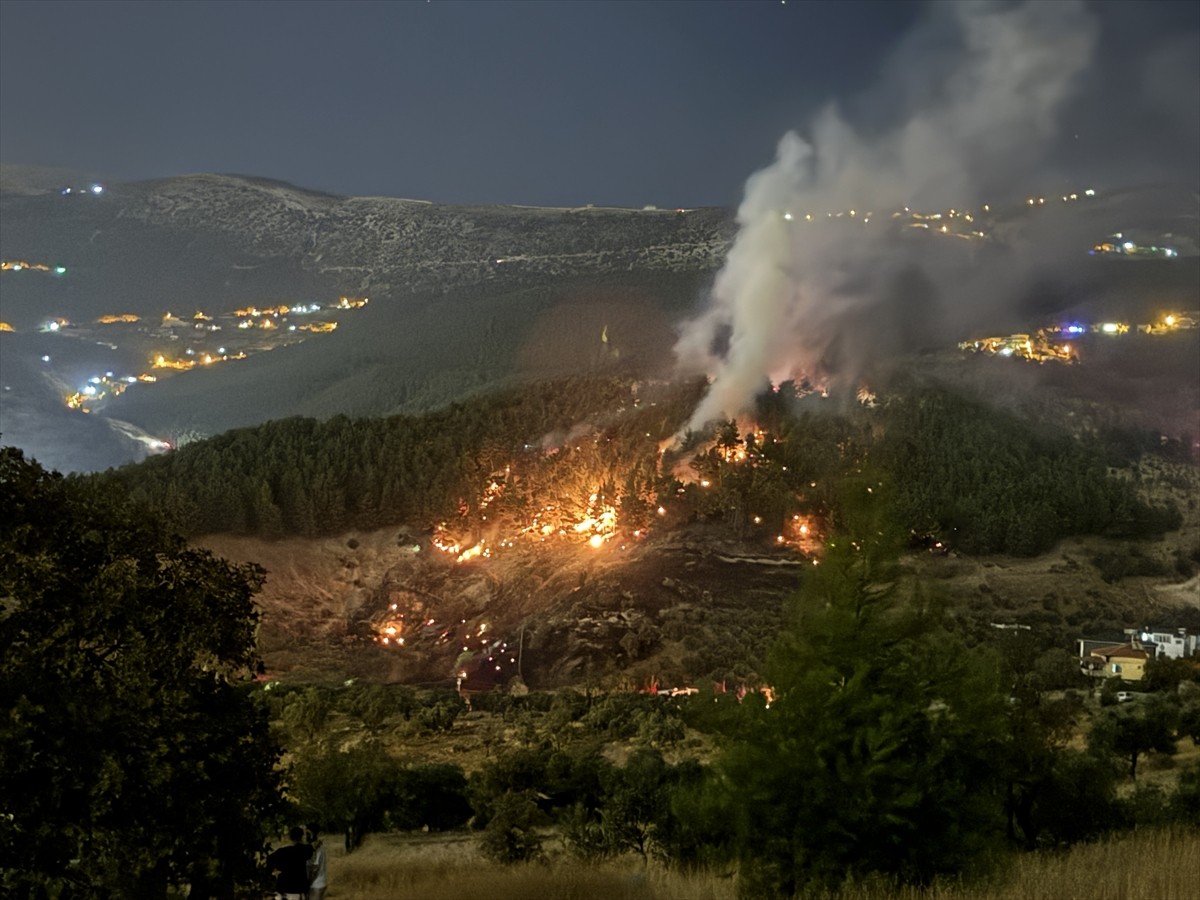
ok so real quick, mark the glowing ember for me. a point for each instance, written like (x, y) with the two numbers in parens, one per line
(388, 632)
(471, 552)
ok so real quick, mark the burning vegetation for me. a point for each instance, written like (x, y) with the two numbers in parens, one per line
(510, 506)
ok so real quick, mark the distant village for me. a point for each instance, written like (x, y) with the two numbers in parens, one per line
(186, 342)
(1055, 343)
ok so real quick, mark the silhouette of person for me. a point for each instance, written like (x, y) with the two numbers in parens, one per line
(291, 864)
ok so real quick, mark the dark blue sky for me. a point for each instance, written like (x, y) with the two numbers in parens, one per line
(559, 103)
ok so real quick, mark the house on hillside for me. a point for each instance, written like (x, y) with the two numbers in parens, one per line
(1127, 661)
(1170, 643)
(1085, 646)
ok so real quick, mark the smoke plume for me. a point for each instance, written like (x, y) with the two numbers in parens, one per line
(968, 105)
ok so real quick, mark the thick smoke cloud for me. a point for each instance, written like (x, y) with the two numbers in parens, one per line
(968, 105)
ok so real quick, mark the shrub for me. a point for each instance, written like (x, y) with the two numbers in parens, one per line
(510, 835)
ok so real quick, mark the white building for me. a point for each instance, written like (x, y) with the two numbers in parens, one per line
(1170, 643)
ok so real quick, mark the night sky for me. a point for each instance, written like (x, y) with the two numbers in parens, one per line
(564, 103)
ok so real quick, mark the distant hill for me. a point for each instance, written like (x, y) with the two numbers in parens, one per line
(463, 299)
(200, 240)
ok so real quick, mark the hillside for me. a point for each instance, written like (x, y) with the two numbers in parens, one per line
(560, 533)
(183, 307)
(461, 299)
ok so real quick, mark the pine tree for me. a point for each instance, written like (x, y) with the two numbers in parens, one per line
(883, 732)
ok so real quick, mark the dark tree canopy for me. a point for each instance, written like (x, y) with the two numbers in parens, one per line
(1130, 734)
(132, 758)
(883, 733)
(988, 481)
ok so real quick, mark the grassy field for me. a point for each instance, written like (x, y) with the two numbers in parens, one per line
(1149, 865)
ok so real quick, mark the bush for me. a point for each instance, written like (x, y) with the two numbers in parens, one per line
(439, 717)
(352, 792)
(1109, 690)
(1128, 563)
(523, 771)
(510, 835)
(622, 716)
(1185, 804)
(432, 796)
(1057, 669)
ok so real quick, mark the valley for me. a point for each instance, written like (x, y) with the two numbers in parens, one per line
(464, 299)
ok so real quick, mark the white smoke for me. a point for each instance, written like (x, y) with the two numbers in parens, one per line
(972, 98)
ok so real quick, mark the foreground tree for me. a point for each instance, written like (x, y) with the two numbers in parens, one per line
(877, 755)
(1129, 734)
(348, 791)
(132, 759)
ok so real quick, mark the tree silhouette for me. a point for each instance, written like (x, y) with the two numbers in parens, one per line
(883, 733)
(133, 758)
(1131, 733)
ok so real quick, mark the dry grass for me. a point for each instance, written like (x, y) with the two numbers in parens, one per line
(1154, 865)
(1151, 865)
(390, 867)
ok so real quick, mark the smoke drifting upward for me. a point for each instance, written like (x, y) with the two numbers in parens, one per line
(969, 105)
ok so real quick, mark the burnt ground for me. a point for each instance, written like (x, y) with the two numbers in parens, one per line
(668, 605)
(684, 605)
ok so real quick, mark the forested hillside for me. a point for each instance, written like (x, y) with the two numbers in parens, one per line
(969, 477)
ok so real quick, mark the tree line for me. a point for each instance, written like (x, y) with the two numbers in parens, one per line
(974, 478)
(306, 477)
